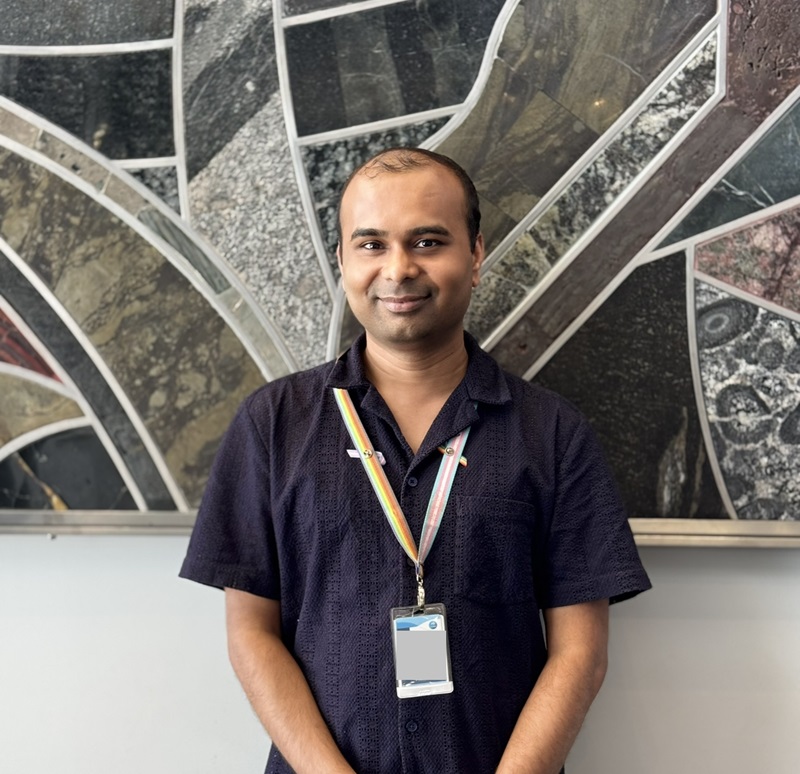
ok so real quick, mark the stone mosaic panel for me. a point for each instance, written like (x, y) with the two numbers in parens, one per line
(84, 22)
(69, 470)
(48, 328)
(750, 368)
(556, 230)
(328, 165)
(628, 369)
(421, 56)
(121, 104)
(180, 365)
(763, 259)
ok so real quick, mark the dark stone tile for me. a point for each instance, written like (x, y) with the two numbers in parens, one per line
(228, 77)
(121, 104)
(421, 56)
(328, 165)
(628, 369)
(767, 175)
(84, 22)
(295, 7)
(52, 332)
(17, 350)
(163, 182)
(67, 470)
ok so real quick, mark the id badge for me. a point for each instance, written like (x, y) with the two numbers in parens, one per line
(421, 651)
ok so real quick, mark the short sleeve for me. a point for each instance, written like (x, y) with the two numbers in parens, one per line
(233, 541)
(590, 550)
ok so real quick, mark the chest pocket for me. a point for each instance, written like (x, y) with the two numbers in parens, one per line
(494, 550)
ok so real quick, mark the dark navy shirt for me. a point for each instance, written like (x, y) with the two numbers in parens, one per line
(534, 521)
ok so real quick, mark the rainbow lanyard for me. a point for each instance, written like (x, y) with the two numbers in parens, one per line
(388, 500)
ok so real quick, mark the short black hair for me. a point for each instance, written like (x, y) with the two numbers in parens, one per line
(402, 159)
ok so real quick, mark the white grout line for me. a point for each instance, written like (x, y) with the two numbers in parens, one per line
(47, 382)
(694, 359)
(79, 398)
(750, 298)
(329, 13)
(94, 49)
(75, 329)
(297, 161)
(160, 161)
(179, 128)
(337, 318)
(395, 122)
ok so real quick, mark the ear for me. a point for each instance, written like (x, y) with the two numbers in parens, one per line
(340, 263)
(478, 254)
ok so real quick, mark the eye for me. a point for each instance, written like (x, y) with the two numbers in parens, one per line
(428, 242)
(371, 245)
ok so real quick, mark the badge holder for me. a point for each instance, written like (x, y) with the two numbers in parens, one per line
(421, 651)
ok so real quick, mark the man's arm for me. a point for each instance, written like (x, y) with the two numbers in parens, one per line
(577, 645)
(276, 687)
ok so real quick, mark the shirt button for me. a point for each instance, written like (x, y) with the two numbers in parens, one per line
(411, 481)
(412, 726)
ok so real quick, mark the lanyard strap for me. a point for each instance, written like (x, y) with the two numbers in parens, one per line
(383, 490)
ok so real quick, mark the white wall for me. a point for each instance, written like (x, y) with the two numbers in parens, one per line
(109, 662)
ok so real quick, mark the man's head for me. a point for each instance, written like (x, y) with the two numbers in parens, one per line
(407, 254)
(400, 160)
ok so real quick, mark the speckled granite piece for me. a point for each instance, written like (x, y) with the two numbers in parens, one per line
(163, 182)
(182, 368)
(246, 202)
(750, 369)
(26, 405)
(295, 7)
(118, 104)
(763, 259)
(328, 165)
(18, 351)
(84, 22)
(767, 175)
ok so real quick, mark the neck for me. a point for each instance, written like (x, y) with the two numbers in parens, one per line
(416, 369)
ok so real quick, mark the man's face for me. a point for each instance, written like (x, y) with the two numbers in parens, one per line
(406, 262)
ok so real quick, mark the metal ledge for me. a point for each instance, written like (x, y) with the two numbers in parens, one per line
(720, 533)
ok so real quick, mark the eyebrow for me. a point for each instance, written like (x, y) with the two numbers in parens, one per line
(359, 233)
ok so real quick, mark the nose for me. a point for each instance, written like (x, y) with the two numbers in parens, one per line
(400, 264)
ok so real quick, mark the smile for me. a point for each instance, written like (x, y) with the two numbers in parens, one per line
(400, 304)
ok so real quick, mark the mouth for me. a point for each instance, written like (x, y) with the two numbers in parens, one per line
(404, 303)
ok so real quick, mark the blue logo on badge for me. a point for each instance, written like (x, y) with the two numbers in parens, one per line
(432, 624)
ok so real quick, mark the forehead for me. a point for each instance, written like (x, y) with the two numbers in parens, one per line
(431, 188)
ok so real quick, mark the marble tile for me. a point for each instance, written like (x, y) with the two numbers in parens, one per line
(489, 302)
(767, 175)
(163, 182)
(84, 22)
(26, 406)
(295, 7)
(328, 165)
(118, 104)
(19, 130)
(229, 72)
(763, 259)
(69, 157)
(670, 186)
(628, 369)
(421, 56)
(69, 470)
(247, 204)
(183, 369)
(750, 369)
(17, 350)
(60, 342)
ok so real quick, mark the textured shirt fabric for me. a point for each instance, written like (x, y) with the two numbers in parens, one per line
(534, 521)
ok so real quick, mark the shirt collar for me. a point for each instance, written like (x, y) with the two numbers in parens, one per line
(485, 381)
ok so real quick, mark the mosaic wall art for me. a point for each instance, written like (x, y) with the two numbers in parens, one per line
(169, 174)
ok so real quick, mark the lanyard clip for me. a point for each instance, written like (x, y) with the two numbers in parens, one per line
(420, 590)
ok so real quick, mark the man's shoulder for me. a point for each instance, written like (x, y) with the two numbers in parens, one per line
(536, 401)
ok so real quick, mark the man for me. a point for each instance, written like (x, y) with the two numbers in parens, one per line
(295, 529)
